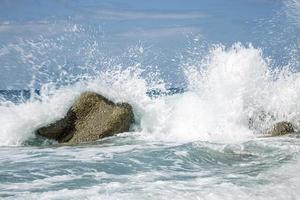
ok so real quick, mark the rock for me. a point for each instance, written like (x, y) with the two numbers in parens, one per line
(90, 118)
(259, 120)
(280, 128)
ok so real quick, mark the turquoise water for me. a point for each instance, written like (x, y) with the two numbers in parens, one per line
(127, 168)
(195, 72)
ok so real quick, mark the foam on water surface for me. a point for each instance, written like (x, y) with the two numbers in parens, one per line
(265, 168)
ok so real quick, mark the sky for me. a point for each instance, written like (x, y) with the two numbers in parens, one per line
(33, 31)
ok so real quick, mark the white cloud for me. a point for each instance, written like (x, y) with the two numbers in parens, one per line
(160, 32)
(134, 15)
(33, 28)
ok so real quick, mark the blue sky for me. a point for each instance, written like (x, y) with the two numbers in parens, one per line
(164, 26)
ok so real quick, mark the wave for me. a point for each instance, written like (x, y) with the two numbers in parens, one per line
(224, 90)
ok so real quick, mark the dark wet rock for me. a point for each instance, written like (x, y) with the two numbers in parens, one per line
(280, 128)
(90, 118)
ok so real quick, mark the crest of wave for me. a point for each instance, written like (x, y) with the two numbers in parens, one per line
(233, 94)
(225, 90)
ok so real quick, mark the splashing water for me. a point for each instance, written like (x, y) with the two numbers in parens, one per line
(224, 90)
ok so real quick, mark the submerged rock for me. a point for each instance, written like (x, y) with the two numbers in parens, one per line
(280, 128)
(90, 118)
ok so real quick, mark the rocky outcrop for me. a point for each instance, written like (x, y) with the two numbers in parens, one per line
(259, 119)
(90, 118)
(280, 128)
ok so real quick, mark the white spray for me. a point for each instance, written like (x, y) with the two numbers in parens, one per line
(224, 91)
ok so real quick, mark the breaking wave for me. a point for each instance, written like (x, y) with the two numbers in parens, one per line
(225, 89)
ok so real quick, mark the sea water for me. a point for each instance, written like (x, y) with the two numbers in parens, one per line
(195, 73)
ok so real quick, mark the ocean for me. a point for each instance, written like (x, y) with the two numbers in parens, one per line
(198, 75)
